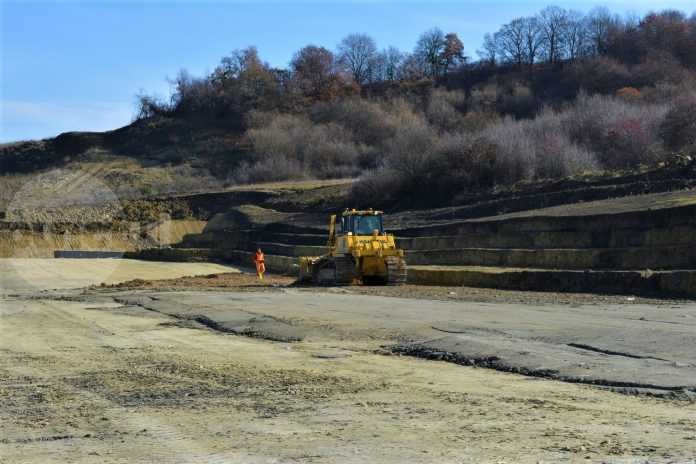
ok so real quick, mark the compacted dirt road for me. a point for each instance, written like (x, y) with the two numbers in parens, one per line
(89, 376)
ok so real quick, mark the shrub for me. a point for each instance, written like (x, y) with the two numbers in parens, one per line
(269, 170)
(658, 67)
(518, 101)
(626, 143)
(283, 136)
(444, 109)
(367, 121)
(148, 106)
(620, 132)
(329, 152)
(453, 164)
(462, 162)
(538, 148)
(476, 121)
(601, 75)
(678, 129)
(484, 97)
(377, 188)
(321, 150)
(409, 152)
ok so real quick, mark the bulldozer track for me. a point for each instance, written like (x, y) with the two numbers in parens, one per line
(324, 272)
(396, 270)
(338, 270)
(345, 270)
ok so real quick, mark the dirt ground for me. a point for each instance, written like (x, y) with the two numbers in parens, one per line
(84, 379)
(84, 383)
(247, 280)
(34, 274)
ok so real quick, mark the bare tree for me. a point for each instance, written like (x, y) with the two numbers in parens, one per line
(489, 50)
(511, 41)
(411, 68)
(453, 52)
(533, 39)
(356, 54)
(387, 64)
(429, 50)
(575, 35)
(598, 24)
(553, 21)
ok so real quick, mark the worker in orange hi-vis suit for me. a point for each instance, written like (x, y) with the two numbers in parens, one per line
(260, 263)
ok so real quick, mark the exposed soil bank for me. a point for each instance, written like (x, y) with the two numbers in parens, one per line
(42, 240)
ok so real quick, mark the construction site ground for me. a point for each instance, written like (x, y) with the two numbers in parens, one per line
(224, 368)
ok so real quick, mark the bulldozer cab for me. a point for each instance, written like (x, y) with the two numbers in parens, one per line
(361, 223)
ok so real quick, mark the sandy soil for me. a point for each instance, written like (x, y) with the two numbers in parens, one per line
(43, 274)
(84, 382)
(85, 379)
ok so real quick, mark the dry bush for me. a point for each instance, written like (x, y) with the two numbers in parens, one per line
(293, 143)
(519, 101)
(678, 129)
(601, 75)
(268, 170)
(377, 188)
(671, 91)
(425, 176)
(485, 97)
(402, 112)
(338, 139)
(329, 152)
(464, 162)
(476, 121)
(537, 148)
(444, 109)
(283, 136)
(368, 122)
(658, 67)
(623, 134)
(256, 119)
(409, 152)
(438, 151)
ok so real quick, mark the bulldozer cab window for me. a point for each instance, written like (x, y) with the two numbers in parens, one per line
(364, 225)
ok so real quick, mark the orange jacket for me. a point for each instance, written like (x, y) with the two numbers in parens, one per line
(258, 257)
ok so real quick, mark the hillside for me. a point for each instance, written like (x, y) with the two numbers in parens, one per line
(422, 129)
(145, 158)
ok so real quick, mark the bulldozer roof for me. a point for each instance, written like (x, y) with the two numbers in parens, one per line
(362, 212)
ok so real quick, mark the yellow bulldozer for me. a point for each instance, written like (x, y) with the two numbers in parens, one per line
(360, 250)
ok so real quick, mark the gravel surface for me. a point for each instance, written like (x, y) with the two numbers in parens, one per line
(93, 381)
(249, 281)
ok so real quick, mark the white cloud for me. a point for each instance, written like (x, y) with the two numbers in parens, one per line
(39, 119)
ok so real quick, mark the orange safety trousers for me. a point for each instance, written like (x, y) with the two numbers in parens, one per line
(260, 263)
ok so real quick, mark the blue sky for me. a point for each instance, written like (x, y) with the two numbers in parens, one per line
(77, 65)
